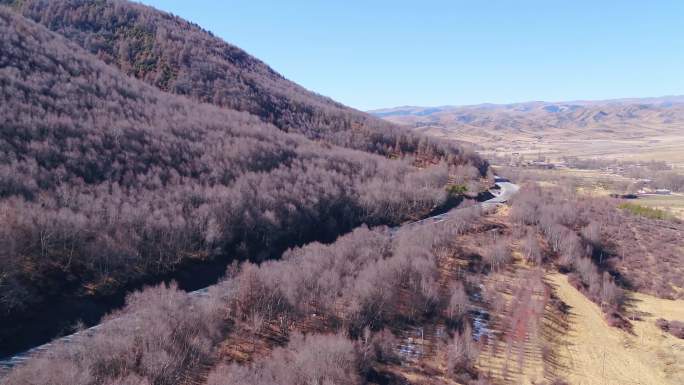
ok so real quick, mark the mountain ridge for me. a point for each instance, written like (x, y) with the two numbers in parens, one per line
(654, 115)
(180, 57)
(678, 99)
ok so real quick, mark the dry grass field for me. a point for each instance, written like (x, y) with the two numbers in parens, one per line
(581, 348)
(590, 352)
(523, 362)
(575, 342)
(673, 203)
(668, 148)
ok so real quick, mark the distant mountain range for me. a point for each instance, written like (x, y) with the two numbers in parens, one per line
(540, 115)
(653, 127)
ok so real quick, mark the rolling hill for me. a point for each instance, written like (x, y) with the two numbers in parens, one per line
(649, 128)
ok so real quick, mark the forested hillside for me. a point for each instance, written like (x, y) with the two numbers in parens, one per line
(174, 212)
(106, 180)
(180, 57)
(362, 285)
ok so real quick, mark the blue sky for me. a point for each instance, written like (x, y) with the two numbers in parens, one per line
(373, 54)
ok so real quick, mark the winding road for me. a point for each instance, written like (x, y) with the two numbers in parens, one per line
(503, 191)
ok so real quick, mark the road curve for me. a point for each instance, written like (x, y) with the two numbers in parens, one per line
(505, 192)
(506, 189)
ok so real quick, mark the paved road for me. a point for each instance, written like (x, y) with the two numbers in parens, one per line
(502, 194)
(505, 190)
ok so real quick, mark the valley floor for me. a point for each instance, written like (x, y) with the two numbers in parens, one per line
(555, 144)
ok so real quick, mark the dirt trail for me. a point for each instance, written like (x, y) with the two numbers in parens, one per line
(594, 353)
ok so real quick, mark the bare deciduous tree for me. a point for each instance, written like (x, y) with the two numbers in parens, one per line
(531, 249)
(458, 302)
(498, 254)
(462, 352)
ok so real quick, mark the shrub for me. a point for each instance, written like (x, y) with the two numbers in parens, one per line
(676, 328)
(643, 211)
(160, 336)
(314, 359)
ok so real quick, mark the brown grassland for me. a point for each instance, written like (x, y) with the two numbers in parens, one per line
(591, 352)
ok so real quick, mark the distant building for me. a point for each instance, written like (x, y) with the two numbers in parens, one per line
(663, 191)
(540, 164)
(624, 196)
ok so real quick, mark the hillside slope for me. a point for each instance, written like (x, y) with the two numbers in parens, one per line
(594, 353)
(179, 57)
(105, 180)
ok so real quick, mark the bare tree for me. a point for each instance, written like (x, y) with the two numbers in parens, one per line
(458, 302)
(317, 359)
(531, 249)
(462, 352)
(498, 255)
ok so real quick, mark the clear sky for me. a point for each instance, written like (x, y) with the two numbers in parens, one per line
(377, 53)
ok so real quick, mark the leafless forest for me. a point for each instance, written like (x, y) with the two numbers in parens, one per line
(599, 244)
(360, 285)
(105, 179)
(181, 58)
(134, 144)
